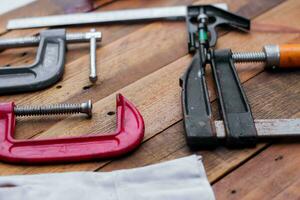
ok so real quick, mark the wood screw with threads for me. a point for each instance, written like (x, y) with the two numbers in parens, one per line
(55, 109)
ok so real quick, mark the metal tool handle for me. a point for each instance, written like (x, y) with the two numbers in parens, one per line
(129, 134)
(235, 109)
(196, 106)
(93, 62)
(289, 56)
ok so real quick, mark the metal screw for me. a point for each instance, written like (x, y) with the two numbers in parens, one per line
(270, 55)
(242, 57)
(55, 109)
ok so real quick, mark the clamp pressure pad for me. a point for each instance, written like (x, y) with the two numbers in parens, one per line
(46, 70)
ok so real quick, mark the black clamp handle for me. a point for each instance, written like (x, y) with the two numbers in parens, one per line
(235, 109)
(197, 117)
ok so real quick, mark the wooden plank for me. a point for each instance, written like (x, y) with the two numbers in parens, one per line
(110, 33)
(277, 92)
(291, 192)
(273, 174)
(136, 63)
(87, 166)
(27, 55)
(9, 169)
(41, 8)
(150, 102)
(152, 86)
(158, 149)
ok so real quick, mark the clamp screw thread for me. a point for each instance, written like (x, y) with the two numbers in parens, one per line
(270, 55)
(54, 109)
(241, 57)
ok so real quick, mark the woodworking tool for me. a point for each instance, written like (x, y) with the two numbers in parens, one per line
(239, 128)
(197, 117)
(235, 110)
(49, 65)
(128, 136)
(169, 13)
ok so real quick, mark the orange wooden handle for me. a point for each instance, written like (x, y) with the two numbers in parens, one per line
(289, 56)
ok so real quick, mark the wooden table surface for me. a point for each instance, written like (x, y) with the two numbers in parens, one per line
(144, 62)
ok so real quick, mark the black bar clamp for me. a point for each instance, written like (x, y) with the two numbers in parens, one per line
(202, 22)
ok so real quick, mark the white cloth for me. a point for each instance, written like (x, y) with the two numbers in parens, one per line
(180, 179)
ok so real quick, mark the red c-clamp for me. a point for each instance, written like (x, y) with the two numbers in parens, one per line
(128, 135)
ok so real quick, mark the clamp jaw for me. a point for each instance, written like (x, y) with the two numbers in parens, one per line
(128, 136)
(202, 22)
(235, 109)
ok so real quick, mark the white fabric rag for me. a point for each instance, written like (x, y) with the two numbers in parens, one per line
(180, 179)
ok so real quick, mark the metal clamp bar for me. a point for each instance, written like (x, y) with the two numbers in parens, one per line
(173, 13)
(268, 128)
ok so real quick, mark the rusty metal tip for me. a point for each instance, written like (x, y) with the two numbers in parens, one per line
(93, 79)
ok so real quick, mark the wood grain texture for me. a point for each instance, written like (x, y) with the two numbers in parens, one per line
(156, 83)
(144, 62)
(42, 8)
(273, 174)
(263, 93)
(131, 61)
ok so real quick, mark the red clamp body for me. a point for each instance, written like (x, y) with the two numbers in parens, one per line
(128, 136)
